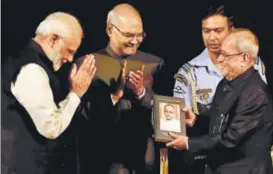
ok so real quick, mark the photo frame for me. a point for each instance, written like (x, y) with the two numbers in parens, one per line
(167, 116)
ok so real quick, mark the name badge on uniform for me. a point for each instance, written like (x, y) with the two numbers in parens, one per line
(204, 93)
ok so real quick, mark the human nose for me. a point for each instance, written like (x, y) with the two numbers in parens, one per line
(70, 58)
(220, 58)
(212, 35)
(134, 40)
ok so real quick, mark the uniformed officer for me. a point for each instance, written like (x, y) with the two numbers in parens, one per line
(197, 79)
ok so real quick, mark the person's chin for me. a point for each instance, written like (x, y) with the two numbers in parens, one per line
(57, 66)
(130, 51)
(214, 49)
(224, 72)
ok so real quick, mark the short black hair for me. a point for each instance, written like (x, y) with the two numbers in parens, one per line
(219, 9)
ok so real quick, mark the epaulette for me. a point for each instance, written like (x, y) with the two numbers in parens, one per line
(190, 80)
(181, 78)
(187, 67)
(182, 75)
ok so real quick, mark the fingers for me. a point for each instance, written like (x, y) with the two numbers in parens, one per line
(87, 63)
(125, 64)
(173, 135)
(136, 77)
(189, 113)
(132, 82)
(185, 109)
(122, 76)
(87, 68)
(93, 72)
(92, 64)
(172, 143)
(142, 68)
(73, 71)
(176, 147)
(123, 71)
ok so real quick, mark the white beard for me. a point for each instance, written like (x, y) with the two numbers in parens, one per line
(55, 57)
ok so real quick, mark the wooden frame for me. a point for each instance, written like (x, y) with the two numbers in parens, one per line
(167, 116)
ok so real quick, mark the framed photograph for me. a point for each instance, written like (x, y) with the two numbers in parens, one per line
(167, 116)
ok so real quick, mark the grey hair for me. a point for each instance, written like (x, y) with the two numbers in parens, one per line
(59, 23)
(112, 17)
(246, 41)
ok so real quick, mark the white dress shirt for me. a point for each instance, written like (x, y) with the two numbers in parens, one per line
(33, 92)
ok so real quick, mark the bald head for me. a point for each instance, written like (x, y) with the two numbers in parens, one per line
(122, 14)
(245, 41)
(238, 52)
(125, 29)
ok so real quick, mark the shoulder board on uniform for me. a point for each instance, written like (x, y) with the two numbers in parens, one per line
(187, 67)
(181, 78)
(182, 75)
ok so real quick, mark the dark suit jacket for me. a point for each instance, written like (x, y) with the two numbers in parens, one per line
(240, 128)
(121, 129)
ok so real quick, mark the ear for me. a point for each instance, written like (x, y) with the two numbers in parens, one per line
(109, 29)
(53, 39)
(246, 59)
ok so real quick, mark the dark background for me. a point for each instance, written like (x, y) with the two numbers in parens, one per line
(173, 27)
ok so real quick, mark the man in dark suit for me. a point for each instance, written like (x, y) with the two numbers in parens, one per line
(241, 117)
(120, 96)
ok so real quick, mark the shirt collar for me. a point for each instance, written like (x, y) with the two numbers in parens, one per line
(204, 60)
(111, 52)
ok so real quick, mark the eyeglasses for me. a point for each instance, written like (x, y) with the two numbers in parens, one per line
(131, 35)
(229, 56)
